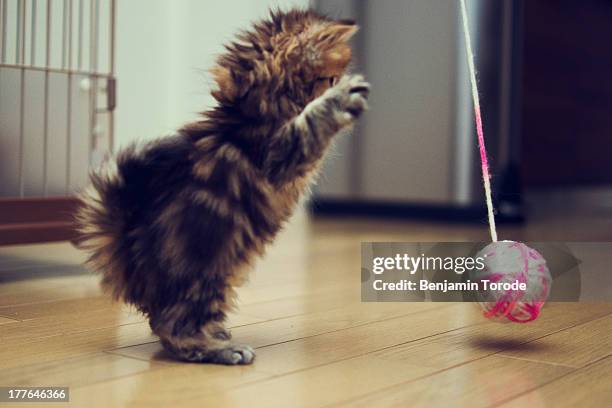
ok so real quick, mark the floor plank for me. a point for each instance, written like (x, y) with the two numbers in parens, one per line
(487, 338)
(165, 387)
(307, 352)
(482, 383)
(26, 292)
(276, 332)
(313, 387)
(35, 330)
(5, 320)
(577, 346)
(65, 346)
(589, 387)
(60, 308)
(73, 372)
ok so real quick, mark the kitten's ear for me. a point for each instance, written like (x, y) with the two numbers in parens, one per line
(332, 40)
(230, 86)
(337, 33)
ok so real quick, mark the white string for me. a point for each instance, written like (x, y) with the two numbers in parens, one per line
(476, 99)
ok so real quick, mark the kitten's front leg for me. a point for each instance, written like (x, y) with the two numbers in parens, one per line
(300, 144)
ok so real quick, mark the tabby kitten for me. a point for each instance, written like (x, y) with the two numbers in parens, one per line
(173, 225)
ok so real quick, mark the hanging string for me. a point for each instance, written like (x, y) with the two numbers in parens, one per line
(486, 178)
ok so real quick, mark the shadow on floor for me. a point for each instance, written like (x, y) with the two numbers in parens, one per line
(492, 343)
(15, 268)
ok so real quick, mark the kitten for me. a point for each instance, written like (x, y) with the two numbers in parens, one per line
(173, 225)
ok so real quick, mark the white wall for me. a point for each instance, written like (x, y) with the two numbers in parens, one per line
(142, 69)
(164, 49)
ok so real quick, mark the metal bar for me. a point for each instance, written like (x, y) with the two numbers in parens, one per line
(64, 33)
(104, 110)
(95, 29)
(33, 35)
(46, 99)
(70, 18)
(20, 53)
(69, 102)
(4, 24)
(113, 22)
(57, 70)
(92, 116)
(18, 32)
(111, 106)
(80, 42)
(93, 51)
(111, 95)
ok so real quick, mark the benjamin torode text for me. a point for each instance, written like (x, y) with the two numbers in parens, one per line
(413, 264)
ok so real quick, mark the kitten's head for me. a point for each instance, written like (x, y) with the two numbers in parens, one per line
(283, 63)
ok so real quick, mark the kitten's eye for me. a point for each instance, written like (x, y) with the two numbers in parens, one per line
(331, 81)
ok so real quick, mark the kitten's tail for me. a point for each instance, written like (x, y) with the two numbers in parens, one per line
(100, 223)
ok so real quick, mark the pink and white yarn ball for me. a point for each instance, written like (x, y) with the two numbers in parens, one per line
(508, 265)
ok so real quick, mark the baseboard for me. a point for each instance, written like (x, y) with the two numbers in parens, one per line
(32, 220)
(439, 212)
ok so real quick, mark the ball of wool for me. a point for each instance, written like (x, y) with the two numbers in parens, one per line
(508, 264)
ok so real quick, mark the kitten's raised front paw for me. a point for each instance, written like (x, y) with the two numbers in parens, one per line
(351, 97)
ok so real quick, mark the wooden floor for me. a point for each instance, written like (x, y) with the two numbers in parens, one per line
(316, 344)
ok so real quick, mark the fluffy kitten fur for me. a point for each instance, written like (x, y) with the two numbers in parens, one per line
(173, 225)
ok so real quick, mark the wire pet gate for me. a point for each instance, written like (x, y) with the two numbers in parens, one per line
(57, 93)
(57, 96)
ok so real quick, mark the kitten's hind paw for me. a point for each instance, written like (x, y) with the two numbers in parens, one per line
(230, 354)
